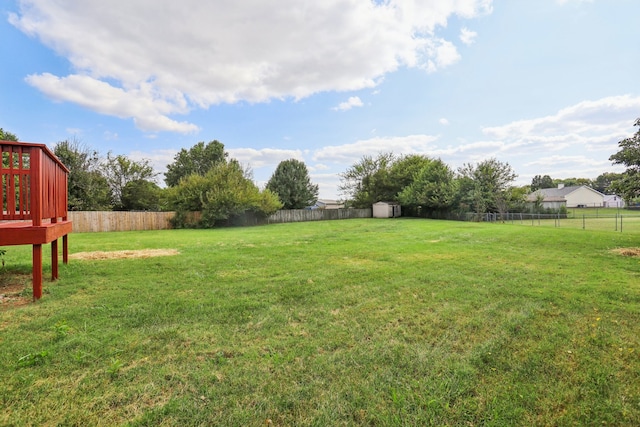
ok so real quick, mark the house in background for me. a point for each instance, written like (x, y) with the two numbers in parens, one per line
(386, 210)
(327, 204)
(569, 197)
(613, 201)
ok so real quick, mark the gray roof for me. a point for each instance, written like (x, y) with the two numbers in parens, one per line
(555, 194)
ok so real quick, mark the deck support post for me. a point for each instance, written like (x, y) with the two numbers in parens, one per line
(65, 249)
(54, 259)
(37, 272)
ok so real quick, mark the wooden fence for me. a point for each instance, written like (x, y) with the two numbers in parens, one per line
(298, 215)
(100, 221)
(103, 221)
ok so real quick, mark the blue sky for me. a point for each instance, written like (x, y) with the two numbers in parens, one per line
(549, 86)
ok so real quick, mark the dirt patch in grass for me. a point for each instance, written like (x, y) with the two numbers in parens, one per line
(635, 252)
(145, 253)
(14, 290)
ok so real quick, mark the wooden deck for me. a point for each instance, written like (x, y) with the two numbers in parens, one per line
(33, 190)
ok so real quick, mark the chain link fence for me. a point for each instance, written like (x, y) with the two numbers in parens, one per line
(606, 221)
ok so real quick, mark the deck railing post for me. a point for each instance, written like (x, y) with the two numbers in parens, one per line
(36, 187)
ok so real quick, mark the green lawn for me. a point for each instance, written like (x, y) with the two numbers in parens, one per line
(356, 322)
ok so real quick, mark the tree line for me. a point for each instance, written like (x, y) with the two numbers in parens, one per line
(428, 187)
(204, 179)
(200, 179)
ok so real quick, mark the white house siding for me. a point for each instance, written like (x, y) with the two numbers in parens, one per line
(613, 201)
(585, 196)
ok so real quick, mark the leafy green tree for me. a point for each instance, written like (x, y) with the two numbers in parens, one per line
(517, 198)
(368, 181)
(88, 188)
(7, 136)
(199, 159)
(141, 195)
(292, 184)
(222, 194)
(483, 187)
(604, 181)
(628, 186)
(120, 170)
(433, 188)
(405, 168)
(572, 182)
(539, 182)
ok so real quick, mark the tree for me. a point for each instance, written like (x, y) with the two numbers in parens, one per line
(7, 136)
(433, 188)
(483, 187)
(517, 198)
(120, 171)
(199, 159)
(367, 181)
(291, 183)
(141, 195)
(404, 170)
(628, 186)
(572, 182)
(538, 182)
(604, 181)
(88, 188)
(221, 195)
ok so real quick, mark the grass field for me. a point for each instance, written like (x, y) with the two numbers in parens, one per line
(357, 322)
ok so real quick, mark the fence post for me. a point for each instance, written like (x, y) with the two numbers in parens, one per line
(583, 222)
(621, 223)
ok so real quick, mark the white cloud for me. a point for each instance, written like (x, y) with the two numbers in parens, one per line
(264, 157)
(438, 54)
(574, 142)
(318, 167)
(594, 125)
(159, 159)
(352, 102)
(153, 60)
(148, 110)
(467, 36)
(444, 122)
(573, 1)
(110, 136)
(350, 153)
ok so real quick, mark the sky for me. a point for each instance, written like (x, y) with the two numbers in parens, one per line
(548, 86)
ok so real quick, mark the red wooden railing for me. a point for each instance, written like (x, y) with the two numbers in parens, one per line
(34, 183)
(34, 198)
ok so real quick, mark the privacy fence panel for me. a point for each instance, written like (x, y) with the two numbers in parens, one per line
(103, 221)
(298, 215)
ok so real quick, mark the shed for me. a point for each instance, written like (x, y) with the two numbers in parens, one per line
(386, 210)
